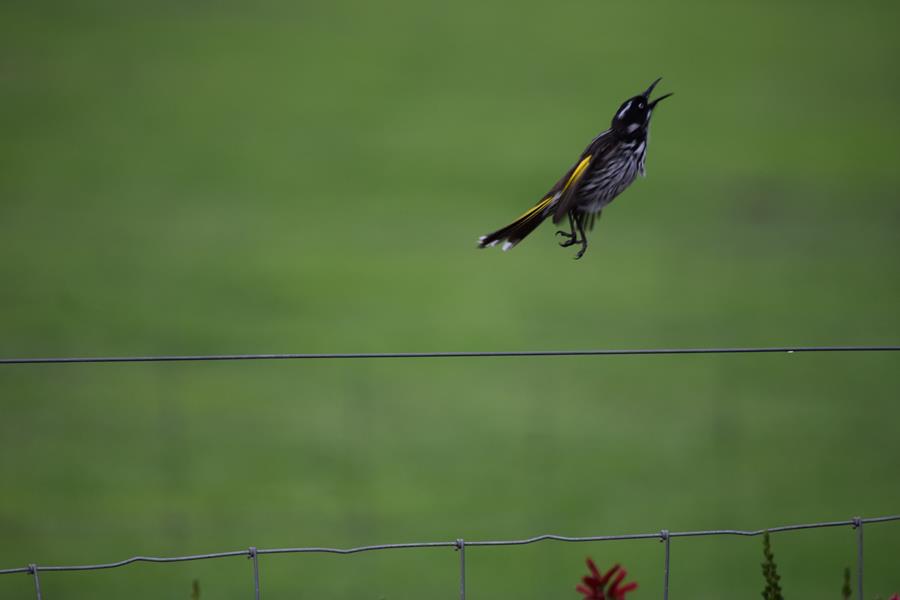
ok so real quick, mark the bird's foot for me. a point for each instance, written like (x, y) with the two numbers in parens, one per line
(583, 248)
(571, 239)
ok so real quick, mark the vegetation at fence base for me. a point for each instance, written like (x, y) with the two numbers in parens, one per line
(772, 590)
(605, 586)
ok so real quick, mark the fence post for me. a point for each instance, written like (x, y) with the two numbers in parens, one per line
(33, 569)
(858, 526)
(254, 557)
(461, 548)
(664, 537)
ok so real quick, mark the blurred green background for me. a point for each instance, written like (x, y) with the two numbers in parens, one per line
(196, 177)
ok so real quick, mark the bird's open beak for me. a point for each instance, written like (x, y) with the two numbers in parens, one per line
(650, 91)
(652, 104)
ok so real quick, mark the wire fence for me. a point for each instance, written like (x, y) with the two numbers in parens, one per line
(483, 354)
(665, 536)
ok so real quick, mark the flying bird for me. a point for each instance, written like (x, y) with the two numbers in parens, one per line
(607, 166)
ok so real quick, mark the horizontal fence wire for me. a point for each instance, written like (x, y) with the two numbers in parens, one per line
(458, 544)
(514, 353)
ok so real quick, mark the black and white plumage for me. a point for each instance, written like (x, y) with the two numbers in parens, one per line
(607, 166)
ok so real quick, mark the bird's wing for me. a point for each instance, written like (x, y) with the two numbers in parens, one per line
(567, 186)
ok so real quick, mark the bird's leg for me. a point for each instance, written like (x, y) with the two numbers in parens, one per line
(571, 237)
(584, 244)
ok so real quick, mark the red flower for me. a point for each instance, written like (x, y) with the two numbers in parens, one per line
(605, 586)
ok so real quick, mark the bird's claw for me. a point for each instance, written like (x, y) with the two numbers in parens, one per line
(571, 240)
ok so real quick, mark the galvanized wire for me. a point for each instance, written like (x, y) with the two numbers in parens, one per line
(858, 525)
(325, 356)
(665, 538)
(461, 547)
(255, 558)
(32, 568)
(456, 544)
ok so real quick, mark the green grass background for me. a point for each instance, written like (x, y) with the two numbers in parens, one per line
(194, 177)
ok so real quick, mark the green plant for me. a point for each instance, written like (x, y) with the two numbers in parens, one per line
(772, 590)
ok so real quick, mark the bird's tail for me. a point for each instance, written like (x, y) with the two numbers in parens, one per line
(516, 231)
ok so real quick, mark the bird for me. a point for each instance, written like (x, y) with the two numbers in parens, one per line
(609, 164)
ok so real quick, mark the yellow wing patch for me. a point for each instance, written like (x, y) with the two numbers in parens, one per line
(536, 208)
(576, 173)
(579, 170)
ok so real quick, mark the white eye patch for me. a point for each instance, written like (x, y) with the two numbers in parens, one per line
(623, 111)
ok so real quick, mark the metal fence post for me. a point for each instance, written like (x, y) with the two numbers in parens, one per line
(664, 537)
(33, 569)
(461, 548)
(858, 526)
(255, 558)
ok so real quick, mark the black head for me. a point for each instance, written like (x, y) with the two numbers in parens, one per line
(633, 117)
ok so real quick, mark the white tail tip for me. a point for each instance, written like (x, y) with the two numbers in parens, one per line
(507, 246)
